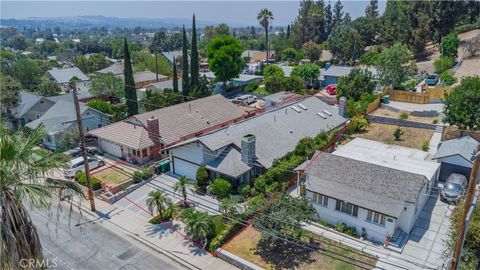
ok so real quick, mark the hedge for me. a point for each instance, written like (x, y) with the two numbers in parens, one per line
(81, 178)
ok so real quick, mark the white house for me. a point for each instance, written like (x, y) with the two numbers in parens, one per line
(377, 188)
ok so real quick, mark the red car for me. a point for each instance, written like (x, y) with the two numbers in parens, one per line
(331, 89)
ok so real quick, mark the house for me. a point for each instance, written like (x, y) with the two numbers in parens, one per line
(30, 107)
(244, 150)
(63, 76)
(142, 136)
(379, 189)
(282, 98)
(144, 78)
(331, 73)
(116, 68)
(454, 156)
(241, 80)
(158, 86)
(173, 55)
(61, 117)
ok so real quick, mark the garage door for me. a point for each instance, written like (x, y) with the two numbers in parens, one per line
(111, 148)
(183, 168)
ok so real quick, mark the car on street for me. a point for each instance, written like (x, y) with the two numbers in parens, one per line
(74, 152)
(331, 89)
(432, 79)
(76, 165)
(454, 188)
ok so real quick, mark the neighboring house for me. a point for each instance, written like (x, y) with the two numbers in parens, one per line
(282, 98)
(454, 156)
(249, 53)
(244, 150)
(158, 86)
(144, 78)
(241, 80)
(141, 137)
(83, 96)
(377, 188)
(63, 76)
(61, 117)
(331, 73)
(116, 69)
(31, 107)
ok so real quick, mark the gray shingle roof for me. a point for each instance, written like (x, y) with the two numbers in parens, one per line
(144, 76)
(278, 131)
(367, 185)
(173, 54)
(462, 146)
(116, 69)
(229, 162)
(64, 75)
(63, 111)
(27, 100)
(69, 96)
(166, 84)
(338, 71)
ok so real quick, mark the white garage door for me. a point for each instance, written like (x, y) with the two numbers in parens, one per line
(184, 168)
(110, 148)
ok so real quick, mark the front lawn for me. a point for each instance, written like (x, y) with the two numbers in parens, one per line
(321, 253)
(113, 176)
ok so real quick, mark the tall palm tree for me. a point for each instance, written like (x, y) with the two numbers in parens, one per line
(264, 17)
(24, 180)
(181, 186)
(157, 200)
(199, 225)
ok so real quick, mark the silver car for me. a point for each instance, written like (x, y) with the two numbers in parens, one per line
(454, 188)
(76, 165)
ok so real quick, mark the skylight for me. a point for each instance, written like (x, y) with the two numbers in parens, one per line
(327, 112)
(322, 115)
(302, 106)
(295, 108)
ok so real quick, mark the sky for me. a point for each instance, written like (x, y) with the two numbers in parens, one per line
(227, 11)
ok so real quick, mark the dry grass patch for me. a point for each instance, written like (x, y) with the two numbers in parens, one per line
(320, 254)
(412, 137)
(113, 176)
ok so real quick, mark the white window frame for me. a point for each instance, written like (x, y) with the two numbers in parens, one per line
(342, 206)
(320, 199)
(376, 217)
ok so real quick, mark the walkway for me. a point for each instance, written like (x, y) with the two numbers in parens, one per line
(405, 106)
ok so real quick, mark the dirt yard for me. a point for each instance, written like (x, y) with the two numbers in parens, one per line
(113, 175)
(412, 137)
(387, 113)
(321, 254)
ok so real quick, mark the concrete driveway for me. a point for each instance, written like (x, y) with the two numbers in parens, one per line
(136, 200)
(426, 243)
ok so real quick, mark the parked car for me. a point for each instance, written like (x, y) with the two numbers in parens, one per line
(331, 89)
(454, 188)
(245, 100)
(75, 152)
(76, 165)
(432, 79)
(92, 150)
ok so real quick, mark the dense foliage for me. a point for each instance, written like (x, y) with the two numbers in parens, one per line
(394, 65)
(272, 70)
(108, 86)
(308, 72)
(130, 90)
(462, 105)
(155, 99)
(355, 84)
(224, 55)
(221, 187)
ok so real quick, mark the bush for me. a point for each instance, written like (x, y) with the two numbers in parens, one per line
(343, 228)
(397, 134)
(221, 187)
(425, 145)
(293, 84)
(288, 54)
(447, 78)
(252, 86)
(142, 174)
(244, 190)
(81, 178)
(358, 123)
(272, 70)
(443, 63)
(202, 178)
(274, 84)
(221, 238)
(404, 116)
(435, 121)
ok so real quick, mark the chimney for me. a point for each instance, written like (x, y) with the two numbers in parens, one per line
(341, 106)
(153, 130)
(248, 150)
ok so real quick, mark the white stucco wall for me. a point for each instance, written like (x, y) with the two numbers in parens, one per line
(192, 152)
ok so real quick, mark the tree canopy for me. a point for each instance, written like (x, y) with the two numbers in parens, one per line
(356, 83)
(27, 72)
(272, 70)
(108, 86)
(394, 65)
(462, 105)
(224, 55)
(449, 45)
(345, 43)
(308, 72)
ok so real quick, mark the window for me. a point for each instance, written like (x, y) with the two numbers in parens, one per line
(99, 125)
(144, 152)
(320, 199)
(346, 208)
(376, 217)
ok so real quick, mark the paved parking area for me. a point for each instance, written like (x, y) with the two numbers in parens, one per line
(426, 243)
(136, 201)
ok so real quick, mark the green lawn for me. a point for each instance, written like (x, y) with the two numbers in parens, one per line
(261, 91)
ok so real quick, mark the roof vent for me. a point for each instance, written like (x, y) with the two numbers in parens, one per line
(302, 106)
(322, 115)
(295, 108)
(327, 112)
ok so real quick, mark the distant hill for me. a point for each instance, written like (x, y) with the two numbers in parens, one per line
(83, 22)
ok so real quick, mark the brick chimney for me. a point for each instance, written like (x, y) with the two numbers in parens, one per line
(154, 134)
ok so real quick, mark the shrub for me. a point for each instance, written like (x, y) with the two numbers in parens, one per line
(293, 83)
(245, 190)
(221, 187)
(447, 78)
(397, 134)
(404, 116)
(435, 121)
(221, 238)
(358, 123)
(81, 178)
(202, 178)
(425, 145)
(272, 70)
(443, 63)
(343, 228)
(252, 86)
(142, 174)
(288, 54)
(274, 84)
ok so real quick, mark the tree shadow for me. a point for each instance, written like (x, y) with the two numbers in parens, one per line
(285, 255)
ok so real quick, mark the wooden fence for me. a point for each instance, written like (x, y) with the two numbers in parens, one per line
(453, 132)
(430, 96)
(373, 105)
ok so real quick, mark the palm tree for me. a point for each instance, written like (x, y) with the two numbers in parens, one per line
(264, 17)
(199, 225)
(157, 200)
(24, 180)
(229, 205)
(181, 186)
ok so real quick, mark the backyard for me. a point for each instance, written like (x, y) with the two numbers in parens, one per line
(411, 137)
(399, 115)
(319, 253)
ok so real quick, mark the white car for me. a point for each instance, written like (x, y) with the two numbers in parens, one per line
(246, 99)
(76, 165)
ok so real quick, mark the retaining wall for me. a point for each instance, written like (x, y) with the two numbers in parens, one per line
(399, 122)
(237, 261)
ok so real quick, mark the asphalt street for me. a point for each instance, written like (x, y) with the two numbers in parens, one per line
(74, 241)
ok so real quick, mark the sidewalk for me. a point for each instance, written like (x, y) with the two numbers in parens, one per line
(158, 237)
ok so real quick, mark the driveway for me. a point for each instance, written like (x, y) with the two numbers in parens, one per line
(136, 200)
(426, 243)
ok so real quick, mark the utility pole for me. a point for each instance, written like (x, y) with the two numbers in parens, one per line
(156, 64)
(462, 229)
(73, 83)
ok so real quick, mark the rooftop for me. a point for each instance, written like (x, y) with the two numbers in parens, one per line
(229, 162)
(116, 69)
(144, 76)
(27, 100)
(462, 146)
(166, 84)
(339, 71)
(64, 75)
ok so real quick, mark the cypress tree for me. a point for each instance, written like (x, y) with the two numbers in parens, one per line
(185, 79)
(175, 78)
(194, 62)
(130, 91)
(288, 31)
